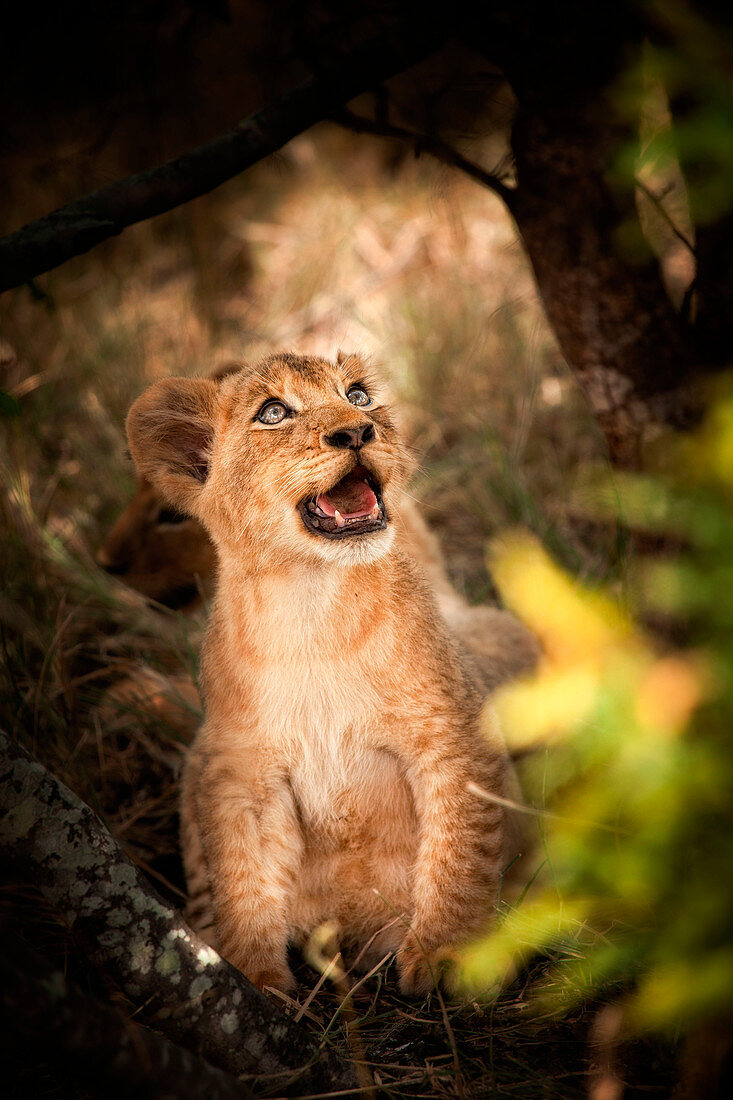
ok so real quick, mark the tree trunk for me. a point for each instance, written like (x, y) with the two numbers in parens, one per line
(613, 320)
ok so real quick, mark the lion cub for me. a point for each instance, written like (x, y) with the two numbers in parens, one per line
(329, 779)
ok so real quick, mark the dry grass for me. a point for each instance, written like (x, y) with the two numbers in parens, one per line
(320, 248)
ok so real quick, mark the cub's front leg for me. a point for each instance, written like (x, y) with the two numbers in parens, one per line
(253, 845)
(456, 873)
(199, 909)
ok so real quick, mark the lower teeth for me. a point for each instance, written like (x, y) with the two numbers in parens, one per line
(317, 516)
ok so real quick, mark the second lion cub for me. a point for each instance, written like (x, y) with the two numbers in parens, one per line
(329, 779)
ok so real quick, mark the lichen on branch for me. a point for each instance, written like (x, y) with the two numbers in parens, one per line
(177, 983)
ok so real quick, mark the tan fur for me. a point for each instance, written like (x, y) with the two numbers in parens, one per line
(172, 700)
(173, 563)
(329, 780)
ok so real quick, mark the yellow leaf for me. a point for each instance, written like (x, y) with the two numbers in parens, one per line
(670, 691)
(550, 706)
(571, 622)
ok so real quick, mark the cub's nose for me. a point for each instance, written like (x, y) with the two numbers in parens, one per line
(112, 563)
(350, 437)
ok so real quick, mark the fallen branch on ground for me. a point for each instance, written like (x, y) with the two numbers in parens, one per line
(178, 984)
(95, 1043)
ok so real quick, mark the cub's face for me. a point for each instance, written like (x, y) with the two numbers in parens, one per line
(159, 551)
(294, 458)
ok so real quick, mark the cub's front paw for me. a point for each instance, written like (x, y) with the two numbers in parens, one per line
(272, 978)
(263, 968)
(420, 970)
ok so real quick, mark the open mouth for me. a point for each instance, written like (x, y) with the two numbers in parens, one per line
(354, 506)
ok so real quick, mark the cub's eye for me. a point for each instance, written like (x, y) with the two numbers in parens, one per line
(169, 515)
(358, 396)
(273, 412)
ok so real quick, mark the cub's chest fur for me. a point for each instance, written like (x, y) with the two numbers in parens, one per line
(309, 669)
(314, 683)
(324, 717)
(338, 792)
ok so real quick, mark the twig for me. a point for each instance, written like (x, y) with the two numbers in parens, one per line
(425, 143)
(657, 201)
(303, 1010)
(292, 1004)
(489, 796)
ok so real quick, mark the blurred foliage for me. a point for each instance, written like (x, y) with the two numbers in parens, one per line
(675, 100)
(632, 756)
(693, 56)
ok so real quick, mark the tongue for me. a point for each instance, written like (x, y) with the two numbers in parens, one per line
(352, 497)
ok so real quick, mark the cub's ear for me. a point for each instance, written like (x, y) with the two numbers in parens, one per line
(171, 432)
(232, 366)
(343, 357)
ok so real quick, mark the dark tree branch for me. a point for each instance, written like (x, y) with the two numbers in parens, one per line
(92, 1042)
(178, 984)
(74, 229)
(425, 143)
